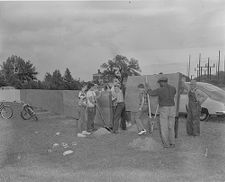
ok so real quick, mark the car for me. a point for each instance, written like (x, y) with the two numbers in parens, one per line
(213, 105)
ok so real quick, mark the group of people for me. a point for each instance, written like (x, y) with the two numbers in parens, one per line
(166, 95)
(88, 105)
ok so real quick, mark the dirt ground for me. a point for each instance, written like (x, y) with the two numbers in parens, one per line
(33, 151)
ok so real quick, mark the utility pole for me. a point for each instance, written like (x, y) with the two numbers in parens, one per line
(201, 72)
(208, 70)
(224, 68)
(189, 65)
(199, 67)
(216, 68)
(219, 66)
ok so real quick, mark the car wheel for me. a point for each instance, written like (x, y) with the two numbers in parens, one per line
(204, 114)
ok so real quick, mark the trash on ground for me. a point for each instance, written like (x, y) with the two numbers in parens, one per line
(101, 131)
(67, 152)
(146, 144)
(74, 143)
(65, 145)
(19, 157)
(55, 145)
(58, 133)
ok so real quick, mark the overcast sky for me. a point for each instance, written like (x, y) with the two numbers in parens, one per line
(83, 35)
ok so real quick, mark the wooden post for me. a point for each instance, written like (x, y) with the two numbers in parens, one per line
(150, 123)
(177, 107)
(224, 68)
(208, 69)
(219, 67)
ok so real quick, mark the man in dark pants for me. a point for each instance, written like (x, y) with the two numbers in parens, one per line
(119, 108)
(124, 116)
(195, 99)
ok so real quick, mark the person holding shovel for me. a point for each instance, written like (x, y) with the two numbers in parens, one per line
(167, 110)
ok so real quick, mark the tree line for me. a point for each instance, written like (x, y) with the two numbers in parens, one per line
(21, 74)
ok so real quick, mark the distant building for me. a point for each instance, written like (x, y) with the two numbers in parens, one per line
(98, 77)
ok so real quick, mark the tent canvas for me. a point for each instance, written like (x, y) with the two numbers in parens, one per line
(131, 97)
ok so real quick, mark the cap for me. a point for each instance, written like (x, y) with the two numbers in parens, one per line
(163, 79)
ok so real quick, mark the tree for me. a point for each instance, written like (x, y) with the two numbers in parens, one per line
(47, 81)
(69, 82)
(120, 67)
(17, 72)
(2, 79)
(57, 82)
(54, 81)
(68, 79)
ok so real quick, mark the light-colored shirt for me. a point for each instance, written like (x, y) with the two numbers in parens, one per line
(143, 99)
(82, 99)
(118, 96)
(91, 98)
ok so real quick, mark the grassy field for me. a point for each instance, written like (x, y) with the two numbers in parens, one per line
(27, 154)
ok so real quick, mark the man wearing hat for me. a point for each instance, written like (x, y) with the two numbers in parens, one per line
(195, 99)
(167, 110)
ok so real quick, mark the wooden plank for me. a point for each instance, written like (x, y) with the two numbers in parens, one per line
(131, 97)
(104, 114)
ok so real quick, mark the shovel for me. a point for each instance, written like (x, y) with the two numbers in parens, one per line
(103, 120)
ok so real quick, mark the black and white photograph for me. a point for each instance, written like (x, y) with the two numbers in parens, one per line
(112, 91)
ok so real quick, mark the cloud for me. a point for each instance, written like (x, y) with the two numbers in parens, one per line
(77, 34)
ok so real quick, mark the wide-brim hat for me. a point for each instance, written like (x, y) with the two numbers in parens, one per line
(163, 79)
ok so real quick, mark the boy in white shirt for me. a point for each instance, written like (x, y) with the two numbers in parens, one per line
(82, 122)
(91, 106)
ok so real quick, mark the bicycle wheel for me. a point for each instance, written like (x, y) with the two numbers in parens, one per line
(25, 114)
(6, 112)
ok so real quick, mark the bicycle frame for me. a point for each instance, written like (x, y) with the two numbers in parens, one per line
(1, 105)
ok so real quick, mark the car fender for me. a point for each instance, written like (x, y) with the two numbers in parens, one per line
(213, 106)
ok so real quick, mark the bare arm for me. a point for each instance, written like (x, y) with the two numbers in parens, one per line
(153, 92)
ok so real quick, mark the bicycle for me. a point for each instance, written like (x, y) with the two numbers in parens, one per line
(6, 111)
(28, 112)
